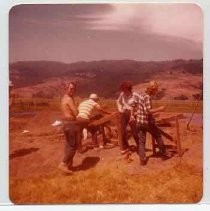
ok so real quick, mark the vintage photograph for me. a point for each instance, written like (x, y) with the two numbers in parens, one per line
(106, 103)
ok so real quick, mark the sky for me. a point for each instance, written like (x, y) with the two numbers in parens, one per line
(86, 32)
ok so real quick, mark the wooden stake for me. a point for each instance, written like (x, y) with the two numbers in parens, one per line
(119, 130)
(178, 143)
(153, 145)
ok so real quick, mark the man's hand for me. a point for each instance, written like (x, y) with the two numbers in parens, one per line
(106, 112)
(132, 118)
(156, 110)
(161, 108)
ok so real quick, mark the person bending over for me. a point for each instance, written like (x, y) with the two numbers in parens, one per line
(86, 110)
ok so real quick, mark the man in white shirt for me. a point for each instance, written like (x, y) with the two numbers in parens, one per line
(125, 102)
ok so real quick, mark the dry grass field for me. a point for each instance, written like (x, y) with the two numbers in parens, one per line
(100, 176)
(180, 184)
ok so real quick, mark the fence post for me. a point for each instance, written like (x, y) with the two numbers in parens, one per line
(178, 143)
(119, 130)
(153, 145)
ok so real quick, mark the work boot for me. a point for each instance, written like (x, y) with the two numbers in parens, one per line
(64, 168)
(165, 156)
(82, 150)
(143, 162)
(101, 146)
(123, 152)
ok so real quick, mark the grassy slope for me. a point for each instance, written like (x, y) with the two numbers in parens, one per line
(45, 79)
(54, 104)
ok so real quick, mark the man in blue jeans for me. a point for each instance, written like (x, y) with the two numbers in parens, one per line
(70, 127)
(146, 123)
(124, 104)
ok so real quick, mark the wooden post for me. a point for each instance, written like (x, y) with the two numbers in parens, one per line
(119, 130)
(103, 135)
(178, 143)
(153, 145)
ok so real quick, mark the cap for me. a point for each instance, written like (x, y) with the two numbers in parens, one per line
(93, 96)
(153, 85)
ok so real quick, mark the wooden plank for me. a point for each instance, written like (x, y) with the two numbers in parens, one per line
(168, 124)
(179, 150)
(103, 135)
(104, 119)
(119, 131)
(166, 135)
(153, 145)
(170, 118)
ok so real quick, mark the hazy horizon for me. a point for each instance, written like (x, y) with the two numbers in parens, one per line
(93, 32)
(104, 60)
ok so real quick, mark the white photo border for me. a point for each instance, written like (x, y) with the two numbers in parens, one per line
(5, 203)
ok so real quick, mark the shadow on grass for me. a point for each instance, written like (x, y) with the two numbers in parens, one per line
(22, 152)
(87, 163)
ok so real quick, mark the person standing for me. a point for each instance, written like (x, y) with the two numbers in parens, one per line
(146, 122)
(70, 128)
(124, 104)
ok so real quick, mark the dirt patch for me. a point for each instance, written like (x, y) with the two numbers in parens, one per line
(40, 151)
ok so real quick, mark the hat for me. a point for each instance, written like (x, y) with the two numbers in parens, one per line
(153, 85)
(93, 96)
(10, 83)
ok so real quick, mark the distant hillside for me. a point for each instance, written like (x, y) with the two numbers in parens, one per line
(33, 72)
(45, 78)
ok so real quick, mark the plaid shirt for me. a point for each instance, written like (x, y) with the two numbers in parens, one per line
(144, 105)
(127, 102)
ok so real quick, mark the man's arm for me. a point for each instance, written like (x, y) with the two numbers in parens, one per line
(156, 110)
(99, 108)
(148, 106)
(72, 107)
(119, 103)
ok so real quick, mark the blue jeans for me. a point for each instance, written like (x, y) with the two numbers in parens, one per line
(83, 123)
(155, 132)
(70, 144)
(124, 121)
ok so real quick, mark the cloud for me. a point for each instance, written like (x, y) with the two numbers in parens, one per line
(120, 18)
(176, 20)
(93, 32)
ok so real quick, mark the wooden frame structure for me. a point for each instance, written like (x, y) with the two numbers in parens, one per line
(170, 121)
(114, 117)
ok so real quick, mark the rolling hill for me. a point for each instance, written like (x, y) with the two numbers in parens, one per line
(180, 79)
